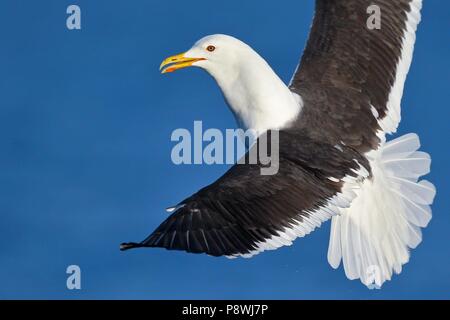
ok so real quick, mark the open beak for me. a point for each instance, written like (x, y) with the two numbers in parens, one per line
(176, 62)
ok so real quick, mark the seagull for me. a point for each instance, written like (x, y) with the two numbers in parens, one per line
(335, 159)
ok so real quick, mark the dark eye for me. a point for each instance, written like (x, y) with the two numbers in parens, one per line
(210, 48)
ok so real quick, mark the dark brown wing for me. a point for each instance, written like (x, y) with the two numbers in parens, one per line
(244, 212)
(351, 77)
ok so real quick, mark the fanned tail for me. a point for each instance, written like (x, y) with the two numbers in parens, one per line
(374, 235)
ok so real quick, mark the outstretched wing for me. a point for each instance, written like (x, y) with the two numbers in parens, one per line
(245, 212)
(351, 76)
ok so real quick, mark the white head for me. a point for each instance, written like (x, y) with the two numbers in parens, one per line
(256, 95)
(213, 53)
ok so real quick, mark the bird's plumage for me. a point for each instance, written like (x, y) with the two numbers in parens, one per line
(334, 160)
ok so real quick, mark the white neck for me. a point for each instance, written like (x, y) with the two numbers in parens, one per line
(257, 96)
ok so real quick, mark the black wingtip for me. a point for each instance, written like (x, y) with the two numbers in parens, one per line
(129, 245)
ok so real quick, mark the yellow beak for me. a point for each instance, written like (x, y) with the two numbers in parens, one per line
(176, 62)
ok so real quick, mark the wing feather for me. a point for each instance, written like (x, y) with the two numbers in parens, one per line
(244, 213)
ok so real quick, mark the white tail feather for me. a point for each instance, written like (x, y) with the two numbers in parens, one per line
(373, 236)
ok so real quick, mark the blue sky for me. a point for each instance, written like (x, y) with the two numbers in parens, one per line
(85, 125)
